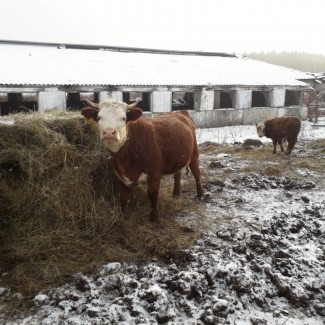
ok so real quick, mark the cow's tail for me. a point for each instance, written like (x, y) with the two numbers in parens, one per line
(187, 172)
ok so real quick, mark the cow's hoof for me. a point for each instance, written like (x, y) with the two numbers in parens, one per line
(206, 197)
(153, 217)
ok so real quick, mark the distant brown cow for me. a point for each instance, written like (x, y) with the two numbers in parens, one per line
(143, 150)
(280, 129)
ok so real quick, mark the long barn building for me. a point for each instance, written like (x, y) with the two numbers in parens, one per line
(219, 89)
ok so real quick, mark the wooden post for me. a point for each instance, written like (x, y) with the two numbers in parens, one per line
(316, 110)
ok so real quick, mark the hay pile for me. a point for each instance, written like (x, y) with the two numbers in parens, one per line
(58, 211)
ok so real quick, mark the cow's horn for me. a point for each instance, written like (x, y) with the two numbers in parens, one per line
(134, 104)
(91, 104)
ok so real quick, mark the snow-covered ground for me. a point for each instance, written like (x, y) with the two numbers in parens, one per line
(231, 134)
(260, 260)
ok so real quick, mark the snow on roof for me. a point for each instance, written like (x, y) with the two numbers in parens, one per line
(54, 65)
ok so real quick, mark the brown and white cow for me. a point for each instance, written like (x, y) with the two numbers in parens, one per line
(280, 129)
(143, 150)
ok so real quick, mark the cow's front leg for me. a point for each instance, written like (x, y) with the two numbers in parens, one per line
(125, 194)
(275, 141)
(153, 190)
(280, 142)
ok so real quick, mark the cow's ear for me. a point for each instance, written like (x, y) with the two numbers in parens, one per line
(133, 114)
(90, 113)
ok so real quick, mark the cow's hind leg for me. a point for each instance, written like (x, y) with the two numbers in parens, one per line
(194, 166)
(177, 184)
(291, 144)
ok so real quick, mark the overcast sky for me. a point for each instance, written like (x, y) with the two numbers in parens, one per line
(235, 26)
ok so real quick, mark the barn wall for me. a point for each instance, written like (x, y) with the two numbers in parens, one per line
(204, 100)
(51, 99)
(161, 101)
(243, 99)
(207, 112)
(217, 118)
(257, 114)
(277, 97)
(228, 117)
(110, 95)
(301, 111)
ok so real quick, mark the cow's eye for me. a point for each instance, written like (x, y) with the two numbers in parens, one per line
(123, 119)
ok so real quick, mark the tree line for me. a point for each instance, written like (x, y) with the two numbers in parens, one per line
(295, 60)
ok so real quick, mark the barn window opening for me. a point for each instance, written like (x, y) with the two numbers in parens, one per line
(189, 99)
(258, 99)
(12, 103)
(225, 100)
(93, 97)
(293, 97)
(73, 101)
(29, 102)
(3, 103)
(89, 96)
(182, 100)
(131, 96)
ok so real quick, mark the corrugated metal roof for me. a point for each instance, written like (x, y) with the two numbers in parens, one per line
(52, 65)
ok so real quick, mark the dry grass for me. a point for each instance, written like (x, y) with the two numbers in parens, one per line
(307, 155)
(58, 210)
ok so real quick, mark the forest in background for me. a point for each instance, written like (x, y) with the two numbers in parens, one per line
(295, 60)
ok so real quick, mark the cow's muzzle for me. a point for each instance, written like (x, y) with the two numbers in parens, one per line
(109, 134)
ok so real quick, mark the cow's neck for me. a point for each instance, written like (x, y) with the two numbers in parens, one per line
(121, 160)
(126, 151)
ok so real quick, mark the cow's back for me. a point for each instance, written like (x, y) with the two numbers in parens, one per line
(165, 143)
(283, 127)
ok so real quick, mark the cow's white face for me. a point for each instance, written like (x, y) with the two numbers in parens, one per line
(112, 124)
(260, 128)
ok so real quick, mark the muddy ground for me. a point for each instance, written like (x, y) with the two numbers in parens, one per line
(260, 258)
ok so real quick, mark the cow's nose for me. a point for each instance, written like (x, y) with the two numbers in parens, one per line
(109, 134)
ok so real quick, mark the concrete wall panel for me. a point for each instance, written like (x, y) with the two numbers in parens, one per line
(243, 99)
(161, 101)
(204, 100)
(277, 97)
(48, 100)
(110, 95)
